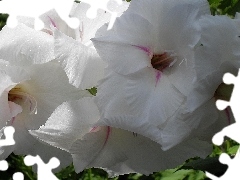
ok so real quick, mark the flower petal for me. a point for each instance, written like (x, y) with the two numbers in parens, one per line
(120, 47)
(70, 121)
(83, 66)
(158, 99)
(9, 77)
(123, 152)
(25, 144)
(52, 20)
(25, 46)
(50, 87)
(88, 27)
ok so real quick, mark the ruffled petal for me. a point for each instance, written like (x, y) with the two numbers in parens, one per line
(124, 152)
(110, 98)
(210, 56)
(25, 46)
(69, 122)
(157, 98)
(82, 65)
(9, 77)
(49, 91)
(182, 126)
(88, 27)
(52, 20)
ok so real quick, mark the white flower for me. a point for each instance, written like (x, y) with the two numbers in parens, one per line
(31, 90)
(73, 48)
(115, 150)
(150, 53)
(217, 55)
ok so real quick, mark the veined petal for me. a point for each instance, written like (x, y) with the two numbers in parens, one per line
(110, 98)
(52, 20)
(174, 22)
(182, 126)
(123, 152)
(88, 27)
(69, 122)
(157, 98)
(128, 25)
(211, 55)
(49, 91)
(179, 29)
(25, 46)
(82, 65)
(205, 89)
(122, 58)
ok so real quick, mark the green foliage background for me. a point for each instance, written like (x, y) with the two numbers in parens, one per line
(192, 169)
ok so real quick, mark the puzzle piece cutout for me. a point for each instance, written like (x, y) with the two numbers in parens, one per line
(44, 171)
(233, 167)
(35, 8)
(8, 141)
(104, 5)
(231, 131)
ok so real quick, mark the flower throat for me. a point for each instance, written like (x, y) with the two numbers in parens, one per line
(162, 61)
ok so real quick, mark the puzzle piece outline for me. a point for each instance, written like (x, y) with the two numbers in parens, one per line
(8, 141)
(230, 131)
(35, 8)
(44, 171)
(103, 5)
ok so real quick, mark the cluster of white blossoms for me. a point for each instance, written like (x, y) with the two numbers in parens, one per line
(158, 73)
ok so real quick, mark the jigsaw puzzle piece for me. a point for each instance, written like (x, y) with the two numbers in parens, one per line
(109, 6)
(35, 8)
(44, 171)
(231, 131)
(233, 167)
(8, 132)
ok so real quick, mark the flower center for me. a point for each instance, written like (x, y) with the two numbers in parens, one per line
(223, 92)
(162, 61)
(18, 96)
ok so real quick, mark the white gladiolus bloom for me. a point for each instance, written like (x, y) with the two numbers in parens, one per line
(115, 150)
(217, 55)
(31, 90)
(73, 48)
(150, 51)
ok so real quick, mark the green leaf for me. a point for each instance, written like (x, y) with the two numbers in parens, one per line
(233, 150)
(210, 164)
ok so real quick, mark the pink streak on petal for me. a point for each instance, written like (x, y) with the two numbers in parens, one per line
(147, 50)
(158, 76)
(94, 129)
(228, 115)
(53, 23)
(107, 136)
(12, 120)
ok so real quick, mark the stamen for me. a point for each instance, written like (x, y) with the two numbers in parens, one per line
(162, 61)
